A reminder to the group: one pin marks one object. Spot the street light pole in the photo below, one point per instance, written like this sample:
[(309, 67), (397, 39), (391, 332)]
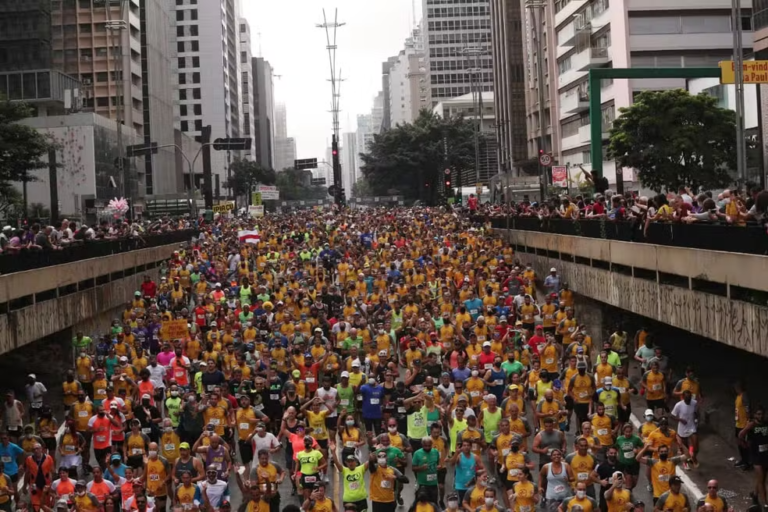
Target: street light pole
[(738, 62), (191, 165)]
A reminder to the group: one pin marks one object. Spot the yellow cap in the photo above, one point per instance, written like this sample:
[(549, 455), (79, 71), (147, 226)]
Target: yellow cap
[(514, 387)]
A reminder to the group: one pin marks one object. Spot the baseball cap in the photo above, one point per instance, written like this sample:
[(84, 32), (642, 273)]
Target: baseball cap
[(123, 358), (486, 343), (184, 446), (146, 396), (581, 364), (296, 373), (502, 318), (356, 363), (31, 376), (553, 269), (115, 456), (648, 412), (607, 380), (344, 374), (675, 480), (514, 387)]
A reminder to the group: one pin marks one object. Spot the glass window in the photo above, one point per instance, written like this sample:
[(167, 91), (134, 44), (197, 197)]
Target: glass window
[(198, 109), (706, 24), (654, 25), (179, 15)]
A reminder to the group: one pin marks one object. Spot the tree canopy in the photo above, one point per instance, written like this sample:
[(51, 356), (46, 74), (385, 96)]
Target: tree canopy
[(22, 148), (296, 185), (675, 139), (410, 159), (247, 173)]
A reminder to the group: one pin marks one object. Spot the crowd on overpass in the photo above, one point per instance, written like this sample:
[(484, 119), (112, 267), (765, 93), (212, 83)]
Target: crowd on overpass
[(733, 206), (65, 233), (388, 346)]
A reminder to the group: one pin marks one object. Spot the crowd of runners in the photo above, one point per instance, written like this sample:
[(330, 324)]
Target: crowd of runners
[(402, 347)]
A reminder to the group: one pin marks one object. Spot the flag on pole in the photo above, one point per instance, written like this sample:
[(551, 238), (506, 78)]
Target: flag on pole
[(248, 237)]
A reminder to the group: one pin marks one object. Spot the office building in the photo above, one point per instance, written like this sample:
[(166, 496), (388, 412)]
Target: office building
[(407, 82), (386, 68), (509, 83), (246, 87), (458, 47), (285, 147), (586, 34), (377, 113), (364, 136), (208, 69), (263, 110), (348, 153)]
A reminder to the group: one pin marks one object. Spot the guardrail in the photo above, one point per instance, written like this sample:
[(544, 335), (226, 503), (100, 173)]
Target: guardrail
[(749, 239), (33, 259)]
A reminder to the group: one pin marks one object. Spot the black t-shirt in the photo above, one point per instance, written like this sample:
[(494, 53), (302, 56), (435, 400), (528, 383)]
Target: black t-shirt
[(605, 471)]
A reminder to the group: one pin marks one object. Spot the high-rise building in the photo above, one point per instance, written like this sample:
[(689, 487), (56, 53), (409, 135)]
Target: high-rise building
[(246, 87), (760, 19), (263, 110), (364, 135), (208, 68), (509, 82), (579, 35), (407, 82), (458, 46), (285, 147), (377, 113), (386, 68), (349, 173)]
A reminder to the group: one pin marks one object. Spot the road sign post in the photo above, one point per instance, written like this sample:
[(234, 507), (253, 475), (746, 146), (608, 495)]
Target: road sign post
[(545, 159), (232, 144), (305, 163)]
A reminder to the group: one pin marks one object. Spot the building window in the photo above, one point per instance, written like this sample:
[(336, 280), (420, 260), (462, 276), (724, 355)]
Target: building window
[(179, 2), (183, 110), (242, 28), (195, 62), (102, 102), (195, 46), (586, 157), (193, 30), (182, 78), (193, 14), (195, 78), (184, 126), (243, 57), (198, 125), (180, 47), (180, 31), (182, 94), (196, 94), (179, 15), (197, 109), (182, 62)]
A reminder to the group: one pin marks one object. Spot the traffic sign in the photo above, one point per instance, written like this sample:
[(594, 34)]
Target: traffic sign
[(232, 143), (545, 159), (447, 172), (305, 163), (318, 182), (332, 190), (141, 149), (269, 192)]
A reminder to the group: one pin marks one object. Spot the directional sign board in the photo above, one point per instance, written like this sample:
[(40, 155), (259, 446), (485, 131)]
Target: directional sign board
[(224, 207), (754, 72), (141, 149), (317, 182), (545, 159), (305, 163), (231, 143)]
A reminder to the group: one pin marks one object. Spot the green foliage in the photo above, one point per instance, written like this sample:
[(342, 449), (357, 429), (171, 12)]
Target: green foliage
[(296, 185), (11, 201), (21, 147), (410, 159), (361, 189), (675, 139), (245, 174)]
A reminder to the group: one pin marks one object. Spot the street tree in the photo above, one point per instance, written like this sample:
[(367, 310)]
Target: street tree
[(411, 158), (297, 185), (245, 174), (675, 139)]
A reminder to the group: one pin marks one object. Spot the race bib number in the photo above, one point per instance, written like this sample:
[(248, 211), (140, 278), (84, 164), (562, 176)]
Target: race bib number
[(146, 430), (474, 394), (310, 380), (101, 439), (82, 414), (350, 444), (310, 479), (582, 477), (386, 484), (245, 426), (215, 422), (505, 451), (354, 486), (549, 360), (629, 455), (656, 387), (6, 459), (762, 448), (344, 401), (663, 478), (374, 401), (583, 394), (401, 410), (559, 489), (274, 396), (170, 447), (259, 407), (498, 382), (154, 478), (524, 508), (432, 477), (137, 451), (602, 431), (488, 366), (514, 472), (318, 430)]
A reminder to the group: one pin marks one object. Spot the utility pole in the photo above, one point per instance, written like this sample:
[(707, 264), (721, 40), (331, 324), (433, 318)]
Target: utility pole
[(738, 62), (335, 79), (537, 15)]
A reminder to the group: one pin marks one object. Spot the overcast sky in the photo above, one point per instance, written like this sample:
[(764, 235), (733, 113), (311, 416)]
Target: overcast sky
[(374, 31)]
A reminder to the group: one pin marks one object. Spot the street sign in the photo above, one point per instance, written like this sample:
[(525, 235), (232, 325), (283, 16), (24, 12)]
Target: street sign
[(560, 176), (256, 198), (545, 159), (269, 192), (332, 190), (318, 182), (305, 163), (232, 143), (754, 72), (141, 149), (447, 172), (256, 211)]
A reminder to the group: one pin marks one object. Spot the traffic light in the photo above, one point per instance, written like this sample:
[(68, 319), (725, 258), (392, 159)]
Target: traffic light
[(448, 183)]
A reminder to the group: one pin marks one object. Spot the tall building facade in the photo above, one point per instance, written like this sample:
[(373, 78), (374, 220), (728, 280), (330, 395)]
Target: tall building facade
[(349, 173), (208, 68), (364, 135), (386, 69), (458, 47), (246, 87), (579, 35), (264, 112), (509, 82), (760, 19), (285, 147), (408, 88)]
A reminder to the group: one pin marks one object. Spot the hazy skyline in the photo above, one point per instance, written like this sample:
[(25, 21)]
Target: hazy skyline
[(285, 34)]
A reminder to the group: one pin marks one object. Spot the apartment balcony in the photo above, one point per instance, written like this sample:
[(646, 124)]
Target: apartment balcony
[(591, 58), (571, 142), (574, 103), (585, 135), (568, 11), (687, 42)]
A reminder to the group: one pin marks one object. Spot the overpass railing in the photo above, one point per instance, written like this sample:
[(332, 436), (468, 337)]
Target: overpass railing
[(749, 239), (29, 259)]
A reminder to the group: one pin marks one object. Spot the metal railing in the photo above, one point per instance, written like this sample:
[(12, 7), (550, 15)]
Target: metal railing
[(30, 259), (749, 239)]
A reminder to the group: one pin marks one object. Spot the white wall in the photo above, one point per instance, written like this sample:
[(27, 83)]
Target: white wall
[(698, 85)]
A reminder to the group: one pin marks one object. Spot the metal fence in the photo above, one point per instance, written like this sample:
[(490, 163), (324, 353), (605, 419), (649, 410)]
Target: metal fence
[(750, 239), (32, 259)]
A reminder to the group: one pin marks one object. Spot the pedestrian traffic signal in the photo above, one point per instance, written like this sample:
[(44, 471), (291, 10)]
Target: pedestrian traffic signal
[(447, 183)]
